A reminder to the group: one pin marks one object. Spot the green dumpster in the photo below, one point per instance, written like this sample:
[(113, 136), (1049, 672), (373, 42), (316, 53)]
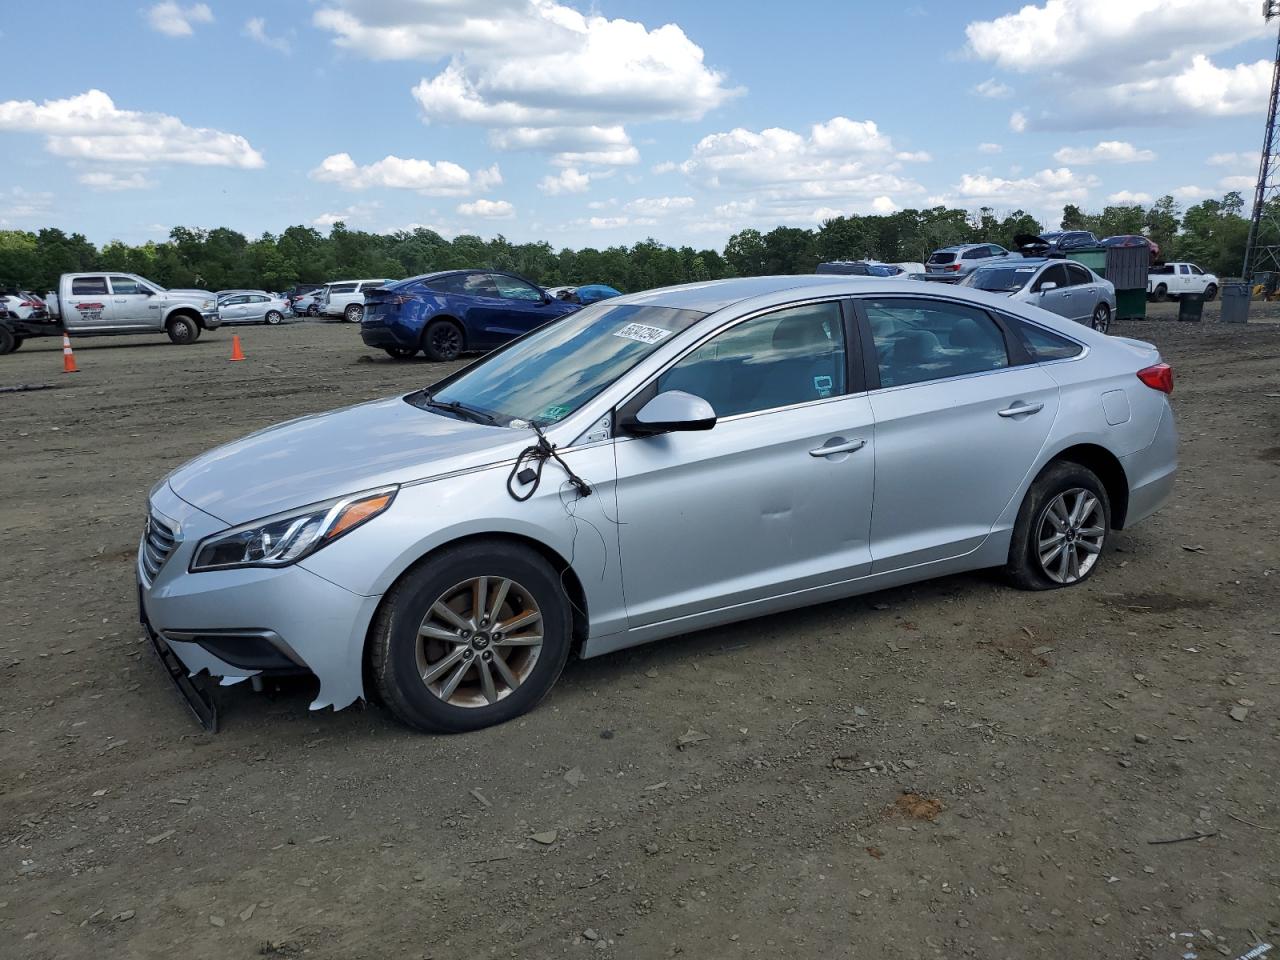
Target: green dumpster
[(1235, 302), (1191, 307), (1095, 260), (1131, 304)]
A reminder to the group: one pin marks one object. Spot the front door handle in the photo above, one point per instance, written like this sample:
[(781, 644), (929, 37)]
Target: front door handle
[(1021, 410), (846, 447)]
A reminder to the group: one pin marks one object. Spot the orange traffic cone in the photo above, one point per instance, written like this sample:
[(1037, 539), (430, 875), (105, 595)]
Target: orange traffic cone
[(236, 352), (68, 358)]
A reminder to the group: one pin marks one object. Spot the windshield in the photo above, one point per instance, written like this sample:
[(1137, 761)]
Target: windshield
[(1000, 279), (555, 370)]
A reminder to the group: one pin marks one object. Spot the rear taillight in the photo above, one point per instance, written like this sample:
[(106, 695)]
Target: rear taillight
[(955, 266), (1158, 377), (400, 298)]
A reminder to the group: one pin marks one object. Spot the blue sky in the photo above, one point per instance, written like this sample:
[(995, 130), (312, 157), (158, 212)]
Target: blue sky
[(607, 123)]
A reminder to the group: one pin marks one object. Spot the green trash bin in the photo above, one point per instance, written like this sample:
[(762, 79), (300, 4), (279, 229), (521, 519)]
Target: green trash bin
[(1235, 302), (1191, 307)]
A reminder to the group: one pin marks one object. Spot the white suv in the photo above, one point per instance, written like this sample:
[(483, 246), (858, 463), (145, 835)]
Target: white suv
[(345, 298)]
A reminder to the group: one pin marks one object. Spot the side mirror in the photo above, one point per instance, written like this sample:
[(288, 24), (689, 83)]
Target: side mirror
[(670, 412), (1047, 286)]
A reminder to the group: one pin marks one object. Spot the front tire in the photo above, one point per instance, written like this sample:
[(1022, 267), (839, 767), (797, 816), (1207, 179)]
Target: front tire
[(442, 341), (354, 313), (1211, 292), (1061, 529), (182, 331), (1101, 318), (474, 636), (9, 341), (313, 311), (273, 317)]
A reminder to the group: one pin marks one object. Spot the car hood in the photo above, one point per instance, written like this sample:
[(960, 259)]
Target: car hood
[(328, 455)]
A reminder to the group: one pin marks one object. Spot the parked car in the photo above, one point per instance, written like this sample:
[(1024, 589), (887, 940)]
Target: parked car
[(307, 304), (1177, 279), (870, 268), (24, 305), (1064, 287), (448, 313), (1065, 240), (103, 304), (723, 450), (253, 307), (345, 298), (955, 262), (585, 294)]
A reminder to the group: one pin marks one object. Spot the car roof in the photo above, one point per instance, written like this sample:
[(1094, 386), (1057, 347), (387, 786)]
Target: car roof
[(713, 295)]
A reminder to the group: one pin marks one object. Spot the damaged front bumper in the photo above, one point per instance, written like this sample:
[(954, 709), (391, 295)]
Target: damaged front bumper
[(233, 625)]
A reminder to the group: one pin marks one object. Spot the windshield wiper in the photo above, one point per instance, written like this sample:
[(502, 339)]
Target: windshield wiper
[(461, 409)]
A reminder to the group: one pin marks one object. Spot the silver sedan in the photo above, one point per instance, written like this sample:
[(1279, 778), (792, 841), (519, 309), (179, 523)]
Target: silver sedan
[(256, 306), (649, 466), (1064, 287)]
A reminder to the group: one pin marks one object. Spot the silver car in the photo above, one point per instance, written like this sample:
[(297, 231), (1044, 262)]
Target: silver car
[(254, 306), (649, 466), (962, 259), (1064, 287)]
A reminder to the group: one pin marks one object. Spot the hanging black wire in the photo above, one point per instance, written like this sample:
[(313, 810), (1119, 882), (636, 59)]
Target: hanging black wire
[(528, 468)]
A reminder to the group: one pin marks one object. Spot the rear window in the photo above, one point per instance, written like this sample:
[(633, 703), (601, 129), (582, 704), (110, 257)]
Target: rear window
[(88, 286), (1044, 345), (942, 258)]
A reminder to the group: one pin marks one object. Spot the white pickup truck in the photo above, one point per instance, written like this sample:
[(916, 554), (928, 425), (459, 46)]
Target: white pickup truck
[(103, 304), (1175, 279)]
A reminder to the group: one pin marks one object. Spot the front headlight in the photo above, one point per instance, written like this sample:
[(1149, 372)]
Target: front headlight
[(288, 537)]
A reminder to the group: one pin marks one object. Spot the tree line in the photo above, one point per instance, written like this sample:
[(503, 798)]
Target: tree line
[(1212, 233)]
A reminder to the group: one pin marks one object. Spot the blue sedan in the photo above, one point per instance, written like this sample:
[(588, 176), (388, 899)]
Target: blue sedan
[(444, 314)]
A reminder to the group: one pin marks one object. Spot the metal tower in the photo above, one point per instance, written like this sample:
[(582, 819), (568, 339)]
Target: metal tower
[(1263, 250)]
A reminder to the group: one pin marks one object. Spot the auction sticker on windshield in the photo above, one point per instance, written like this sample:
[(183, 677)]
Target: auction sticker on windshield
[(642, 332)]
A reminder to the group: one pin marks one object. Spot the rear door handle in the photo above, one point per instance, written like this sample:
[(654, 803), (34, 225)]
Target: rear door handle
[(1021, 409), (847, 447)]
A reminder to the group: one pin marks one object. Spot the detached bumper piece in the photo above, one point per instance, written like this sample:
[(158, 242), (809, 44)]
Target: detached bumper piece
[(196, 691)]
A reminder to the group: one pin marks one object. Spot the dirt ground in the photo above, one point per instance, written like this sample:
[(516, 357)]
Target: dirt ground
[(953, 769)]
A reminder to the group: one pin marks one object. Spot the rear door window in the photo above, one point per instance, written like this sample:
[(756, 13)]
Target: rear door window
[(88, 286), (1077, 274), (921, 340), (342, 288)]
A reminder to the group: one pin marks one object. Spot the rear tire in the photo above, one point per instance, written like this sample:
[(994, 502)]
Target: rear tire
[(354, 313), (402, 652), (1101, 318), (183, 330), (1038, 559), (1161, 293), (442, 341), (273, 317), (1211, 291), (9, 342), (401, 353), (313, 311)]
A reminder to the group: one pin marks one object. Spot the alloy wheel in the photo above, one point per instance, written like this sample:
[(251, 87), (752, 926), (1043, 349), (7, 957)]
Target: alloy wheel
[(1102, 318), (479, 641), (1069, 535), (445, 341)]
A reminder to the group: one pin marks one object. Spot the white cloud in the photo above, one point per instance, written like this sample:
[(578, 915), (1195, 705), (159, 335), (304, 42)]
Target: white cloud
[(1148, 58), (1046, 188), (993, 89), (1107, 151), (106, 180), (568, 180), (18, 204), (656, 206), (607, 223), (1018, 121), (356, 213), (487, 209), (441, 178), (1243, 184), (1191, 193), (176, 20), (916, 156), (1104, 34), (989, 148), (1247, 159), (1126, 198), (255, 28), (883, 205), (666, 166), (90, 126)]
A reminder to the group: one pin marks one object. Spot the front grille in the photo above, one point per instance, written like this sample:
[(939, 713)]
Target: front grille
[(158, 541)]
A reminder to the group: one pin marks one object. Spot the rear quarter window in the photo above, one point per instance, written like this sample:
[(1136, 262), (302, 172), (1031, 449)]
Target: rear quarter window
[(1045, 345)]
